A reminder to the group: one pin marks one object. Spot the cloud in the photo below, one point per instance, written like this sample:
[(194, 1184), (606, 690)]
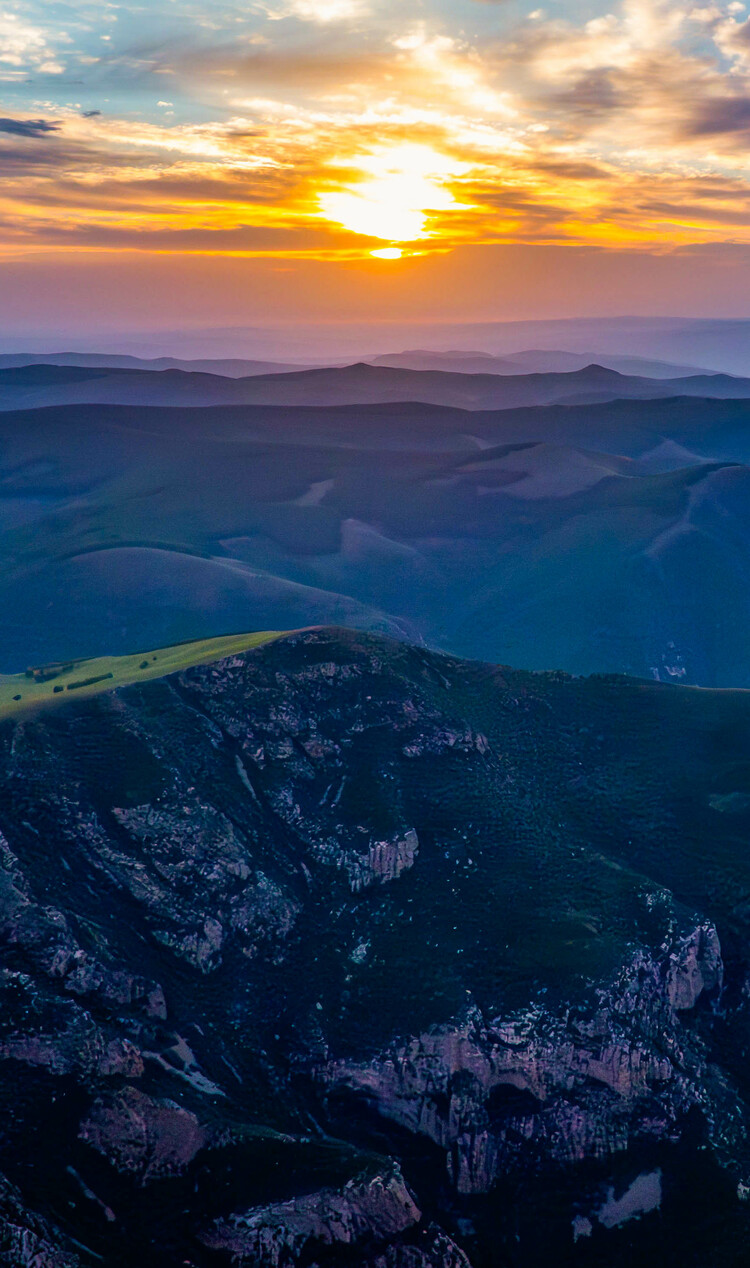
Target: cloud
[(628, 124), (720, 115), (595, 93), (323, 11), (569, 169), (25, 47), (28, 127)]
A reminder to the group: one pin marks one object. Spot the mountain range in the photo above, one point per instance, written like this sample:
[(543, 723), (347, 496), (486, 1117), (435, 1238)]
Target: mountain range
[(38, 386), (321, 945), (718, 344), (527, 362), (230, 367), (605, 537)]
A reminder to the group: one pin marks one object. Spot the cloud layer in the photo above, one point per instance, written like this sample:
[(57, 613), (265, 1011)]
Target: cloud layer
[(327, 128)]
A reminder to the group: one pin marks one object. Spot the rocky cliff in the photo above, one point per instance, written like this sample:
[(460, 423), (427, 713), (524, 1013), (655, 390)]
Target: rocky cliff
[(344, 952)]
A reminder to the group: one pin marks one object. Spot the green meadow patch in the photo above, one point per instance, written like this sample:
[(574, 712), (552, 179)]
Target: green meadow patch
[(43, 686)]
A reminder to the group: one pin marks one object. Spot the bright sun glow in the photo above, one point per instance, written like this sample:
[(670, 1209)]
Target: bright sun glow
[(400, 186), (388, 253)]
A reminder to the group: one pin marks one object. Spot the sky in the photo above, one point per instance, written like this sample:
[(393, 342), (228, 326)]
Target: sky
[(184, 160)]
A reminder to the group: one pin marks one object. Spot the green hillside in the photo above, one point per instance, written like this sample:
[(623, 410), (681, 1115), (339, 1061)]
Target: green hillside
[(47, 685), (598, 538)]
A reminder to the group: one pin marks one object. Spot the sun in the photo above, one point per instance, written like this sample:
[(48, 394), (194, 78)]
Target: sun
[(400, 187)]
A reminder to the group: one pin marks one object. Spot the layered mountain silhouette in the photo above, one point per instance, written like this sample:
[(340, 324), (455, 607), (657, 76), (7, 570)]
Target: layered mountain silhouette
[(36, 386), (231, 367), (717, 344), (530, 361)]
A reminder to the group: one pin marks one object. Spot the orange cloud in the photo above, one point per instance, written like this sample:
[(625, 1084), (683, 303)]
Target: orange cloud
[(332, 127)]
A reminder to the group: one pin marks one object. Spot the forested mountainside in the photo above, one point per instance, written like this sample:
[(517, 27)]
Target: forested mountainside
[(345, 952)]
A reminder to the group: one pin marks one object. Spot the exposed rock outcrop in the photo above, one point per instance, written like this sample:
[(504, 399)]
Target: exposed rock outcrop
[(26, 1240), (144, 1136), (364, 1211), (588, 1081)]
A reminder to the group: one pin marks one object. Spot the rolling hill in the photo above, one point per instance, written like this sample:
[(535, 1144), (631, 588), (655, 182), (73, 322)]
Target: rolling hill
[(590, 538)]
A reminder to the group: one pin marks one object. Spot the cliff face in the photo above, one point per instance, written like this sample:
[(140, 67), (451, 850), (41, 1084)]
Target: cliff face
[(587, 1083), (342, 952)]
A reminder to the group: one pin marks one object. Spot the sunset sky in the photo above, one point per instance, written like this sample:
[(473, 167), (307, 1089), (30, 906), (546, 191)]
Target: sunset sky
[(452, 157)]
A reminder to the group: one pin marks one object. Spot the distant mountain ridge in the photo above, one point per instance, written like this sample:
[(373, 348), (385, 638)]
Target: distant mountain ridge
[(717, 344), (231, 367), (38, 386), (531, 361)]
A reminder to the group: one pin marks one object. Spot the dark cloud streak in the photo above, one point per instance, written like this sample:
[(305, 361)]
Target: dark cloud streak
[(720, 115), (28, 127)]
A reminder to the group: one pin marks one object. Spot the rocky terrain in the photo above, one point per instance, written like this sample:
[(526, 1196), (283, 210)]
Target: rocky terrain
[(344, 952)]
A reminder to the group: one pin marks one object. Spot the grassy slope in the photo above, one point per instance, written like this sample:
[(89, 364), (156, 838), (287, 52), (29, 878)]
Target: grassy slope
[(123, 670), (499, 575)]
